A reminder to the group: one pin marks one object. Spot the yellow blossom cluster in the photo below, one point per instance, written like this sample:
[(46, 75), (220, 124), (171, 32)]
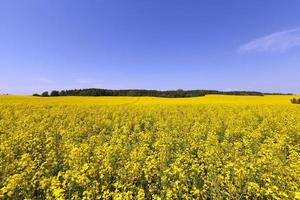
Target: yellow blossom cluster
[(143, 150)]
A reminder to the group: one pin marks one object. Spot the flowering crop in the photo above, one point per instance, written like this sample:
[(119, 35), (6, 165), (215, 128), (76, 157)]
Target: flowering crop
[(149, 148)]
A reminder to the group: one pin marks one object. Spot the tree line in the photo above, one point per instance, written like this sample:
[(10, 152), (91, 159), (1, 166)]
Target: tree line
[(141, 92)]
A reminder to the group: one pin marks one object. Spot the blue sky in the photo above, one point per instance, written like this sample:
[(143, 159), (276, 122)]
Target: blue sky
[(152, 44)]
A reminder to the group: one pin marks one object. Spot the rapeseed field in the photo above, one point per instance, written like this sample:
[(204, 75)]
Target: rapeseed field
[(213, 147)]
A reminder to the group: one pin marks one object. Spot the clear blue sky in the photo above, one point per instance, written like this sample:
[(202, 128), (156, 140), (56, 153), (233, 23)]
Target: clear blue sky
[(152, 44)]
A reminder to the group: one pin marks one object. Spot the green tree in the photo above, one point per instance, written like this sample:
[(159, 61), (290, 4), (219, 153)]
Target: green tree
[(62, 93), (45, 94), (54, 93), (293, 100)]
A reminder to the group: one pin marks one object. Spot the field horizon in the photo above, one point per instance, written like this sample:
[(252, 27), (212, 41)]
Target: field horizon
[(115, 100)]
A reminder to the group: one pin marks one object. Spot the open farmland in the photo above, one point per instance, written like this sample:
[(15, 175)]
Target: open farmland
[(212, 147)]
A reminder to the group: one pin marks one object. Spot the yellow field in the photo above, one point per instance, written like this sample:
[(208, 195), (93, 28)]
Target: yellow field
[(213, 147), (209, 99)]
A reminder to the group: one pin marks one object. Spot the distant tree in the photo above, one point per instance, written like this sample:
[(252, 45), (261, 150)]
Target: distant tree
[(62, 93), (36, 95), (295, 101), (154, 93), (45, 94), (54, 93)]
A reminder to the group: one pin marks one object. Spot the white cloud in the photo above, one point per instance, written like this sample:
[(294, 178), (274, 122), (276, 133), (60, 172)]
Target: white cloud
[(275, 42)]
